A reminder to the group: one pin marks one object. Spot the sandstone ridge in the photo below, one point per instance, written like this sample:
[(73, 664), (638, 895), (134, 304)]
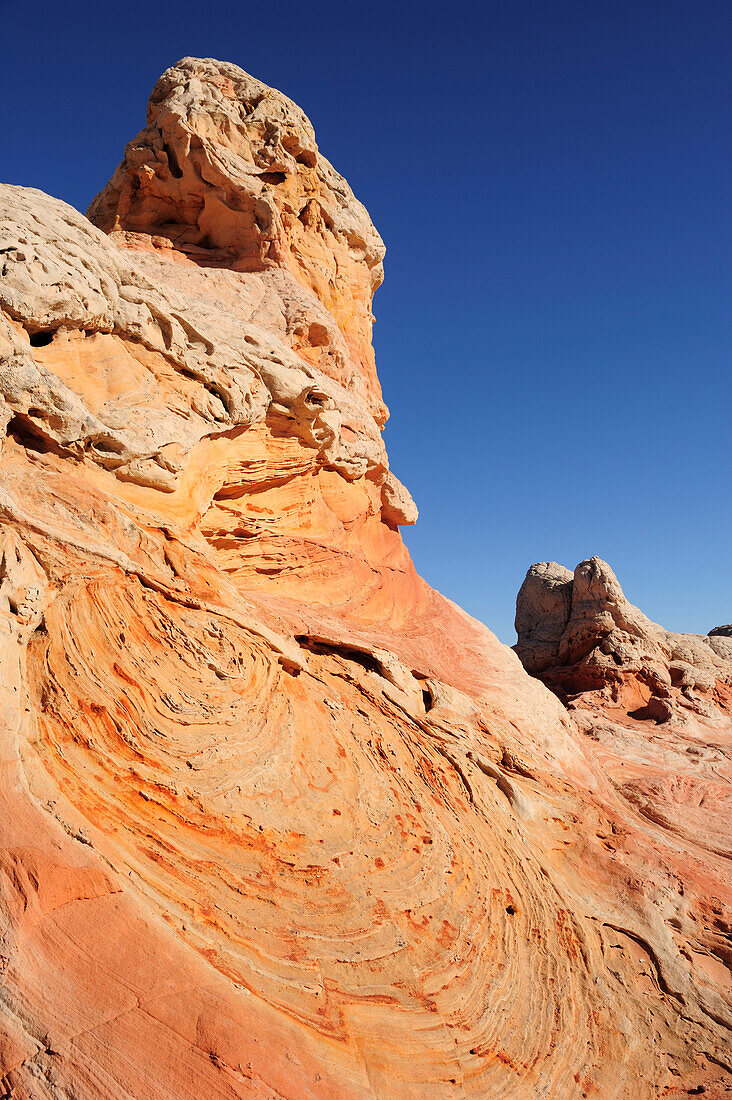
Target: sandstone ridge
[(279, 821)]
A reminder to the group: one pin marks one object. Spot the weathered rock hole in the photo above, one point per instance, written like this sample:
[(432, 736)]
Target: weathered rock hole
[(108, 446), (510, 911), (22, 430), (219, 395), (273, 177), (173, 165), (41, 339), (365, 660)]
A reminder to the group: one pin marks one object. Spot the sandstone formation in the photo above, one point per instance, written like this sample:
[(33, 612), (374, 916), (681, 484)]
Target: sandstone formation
[(227, 171), (279, 821), (580, 635)]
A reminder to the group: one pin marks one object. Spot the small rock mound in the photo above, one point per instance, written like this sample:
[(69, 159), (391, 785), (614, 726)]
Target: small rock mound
[(578, 633)]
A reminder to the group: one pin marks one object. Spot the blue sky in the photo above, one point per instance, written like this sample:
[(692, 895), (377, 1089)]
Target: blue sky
[(552, 181)]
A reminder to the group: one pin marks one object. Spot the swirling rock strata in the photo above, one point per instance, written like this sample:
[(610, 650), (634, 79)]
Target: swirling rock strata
[(278, 820), (656, 706)]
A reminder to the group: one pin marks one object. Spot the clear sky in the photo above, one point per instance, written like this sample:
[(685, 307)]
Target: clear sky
[(552, 180)]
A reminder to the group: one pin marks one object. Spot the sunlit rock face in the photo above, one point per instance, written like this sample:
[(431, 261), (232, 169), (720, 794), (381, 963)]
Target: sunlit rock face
[(582, 637), (278, 820), (228, 172)]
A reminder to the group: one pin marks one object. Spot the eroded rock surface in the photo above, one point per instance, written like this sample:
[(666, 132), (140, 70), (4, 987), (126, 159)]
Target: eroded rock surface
[(278, 820), (228, 171), (656, 707), (580, 635)]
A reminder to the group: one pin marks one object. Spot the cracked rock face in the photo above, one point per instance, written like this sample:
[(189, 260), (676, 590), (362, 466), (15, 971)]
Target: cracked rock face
[(279, 821)]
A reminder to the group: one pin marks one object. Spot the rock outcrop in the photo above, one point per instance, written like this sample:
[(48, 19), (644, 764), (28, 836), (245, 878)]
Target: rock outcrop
[(278, 820), (227, 171), (656, 707), (579, 634)]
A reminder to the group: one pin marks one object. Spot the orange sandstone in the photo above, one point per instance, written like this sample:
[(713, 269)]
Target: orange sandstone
[(279, 820)]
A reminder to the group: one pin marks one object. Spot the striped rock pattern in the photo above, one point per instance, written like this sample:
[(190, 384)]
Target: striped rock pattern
[(279, 821)]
